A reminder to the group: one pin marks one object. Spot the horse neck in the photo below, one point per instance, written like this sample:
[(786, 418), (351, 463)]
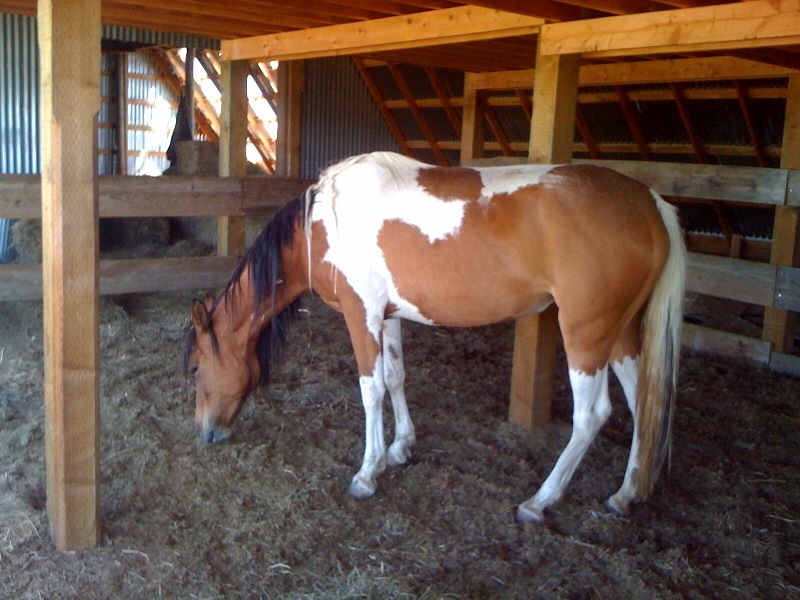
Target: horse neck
[(234, 316)]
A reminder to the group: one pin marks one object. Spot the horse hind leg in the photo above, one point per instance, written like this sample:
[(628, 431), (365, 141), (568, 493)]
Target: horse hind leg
[(591, 408), (395, 375), (626, 368)]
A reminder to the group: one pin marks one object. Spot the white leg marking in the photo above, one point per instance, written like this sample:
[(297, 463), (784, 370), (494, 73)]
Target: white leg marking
[(591, 408), (627, 372), (395, 376), (373, 389)]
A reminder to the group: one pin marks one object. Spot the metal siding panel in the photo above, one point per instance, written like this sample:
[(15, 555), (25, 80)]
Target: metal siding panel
[(19, 105), (339, 117)]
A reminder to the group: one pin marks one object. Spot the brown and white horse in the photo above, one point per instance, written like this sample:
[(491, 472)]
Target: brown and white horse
[(381, 237)]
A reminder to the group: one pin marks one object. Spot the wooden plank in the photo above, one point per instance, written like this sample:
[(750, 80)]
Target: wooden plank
[(787, 288), (178, 196), (711, 182), (24, 282), (69, 42), (731, 278), (754, 24), (725, 344), (676, 70), (429, 28)]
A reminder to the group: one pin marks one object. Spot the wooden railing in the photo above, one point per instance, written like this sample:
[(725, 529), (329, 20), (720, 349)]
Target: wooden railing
[(747, 281), (20, 198)]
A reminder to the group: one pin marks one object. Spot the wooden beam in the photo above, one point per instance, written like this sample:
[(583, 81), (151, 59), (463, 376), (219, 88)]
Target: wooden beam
[(555, 92), (714, 68), (24, 282), (430, 28), (173, 196), (754, 24), (232, 148), (69, 41)]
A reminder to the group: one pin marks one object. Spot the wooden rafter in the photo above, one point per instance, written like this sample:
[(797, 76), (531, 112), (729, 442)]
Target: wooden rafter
[(417, 114), (208, 124), (632, 119), (375, 92), (586, 132), (700, 154), (744, 104), (497, 129), (447, 105), (256, 131)]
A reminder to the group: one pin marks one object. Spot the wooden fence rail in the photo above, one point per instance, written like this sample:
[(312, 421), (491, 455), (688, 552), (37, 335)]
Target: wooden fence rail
[(734, 279), (20, 198)]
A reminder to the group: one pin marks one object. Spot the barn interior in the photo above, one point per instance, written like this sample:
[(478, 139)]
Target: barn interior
[(240, 105)]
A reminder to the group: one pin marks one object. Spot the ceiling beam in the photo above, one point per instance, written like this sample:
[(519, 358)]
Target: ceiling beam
[(651, 71), (430, 28), (754, 24)]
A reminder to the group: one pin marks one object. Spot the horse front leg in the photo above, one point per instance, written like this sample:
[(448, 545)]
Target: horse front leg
[(366, 336), (395, 377)]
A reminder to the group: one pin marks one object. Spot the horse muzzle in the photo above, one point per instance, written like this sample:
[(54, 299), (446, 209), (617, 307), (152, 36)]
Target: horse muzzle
[(213, 433)]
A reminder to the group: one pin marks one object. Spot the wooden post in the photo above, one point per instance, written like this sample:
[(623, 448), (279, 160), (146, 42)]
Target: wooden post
[(555, 93), (779, 325), (290, 97), (69, 38), (232, 149), (472, 121)]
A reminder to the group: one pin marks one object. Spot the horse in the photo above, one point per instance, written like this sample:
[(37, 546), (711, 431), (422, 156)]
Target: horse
[(381, 237)]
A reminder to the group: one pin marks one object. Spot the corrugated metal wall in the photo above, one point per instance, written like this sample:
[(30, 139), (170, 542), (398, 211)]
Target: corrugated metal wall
[(19, 105), (19, 102), (339, 118)]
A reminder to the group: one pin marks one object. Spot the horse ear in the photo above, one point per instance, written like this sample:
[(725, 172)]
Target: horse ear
[(200, 316), (209, 302)]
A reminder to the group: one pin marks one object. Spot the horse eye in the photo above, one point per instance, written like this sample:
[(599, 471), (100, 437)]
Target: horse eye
[(192, 370)]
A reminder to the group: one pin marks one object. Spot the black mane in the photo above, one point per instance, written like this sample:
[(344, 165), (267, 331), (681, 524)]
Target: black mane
[(263, 259)]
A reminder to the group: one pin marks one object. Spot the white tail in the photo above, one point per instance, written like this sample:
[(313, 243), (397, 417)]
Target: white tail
[(658, 367)]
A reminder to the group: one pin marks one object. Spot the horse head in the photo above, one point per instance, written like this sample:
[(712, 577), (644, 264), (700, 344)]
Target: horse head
[(225, 368)]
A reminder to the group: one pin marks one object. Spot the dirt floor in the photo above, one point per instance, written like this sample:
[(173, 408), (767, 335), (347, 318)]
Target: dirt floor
[(267, 516)]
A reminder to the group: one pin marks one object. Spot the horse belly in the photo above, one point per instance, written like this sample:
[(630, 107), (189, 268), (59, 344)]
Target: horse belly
[(457, 282)]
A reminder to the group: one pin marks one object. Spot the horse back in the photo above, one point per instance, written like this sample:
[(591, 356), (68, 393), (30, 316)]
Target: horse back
[(464, 247)]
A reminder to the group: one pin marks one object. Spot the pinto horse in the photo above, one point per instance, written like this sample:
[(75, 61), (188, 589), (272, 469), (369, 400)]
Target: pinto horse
[(382, 237)]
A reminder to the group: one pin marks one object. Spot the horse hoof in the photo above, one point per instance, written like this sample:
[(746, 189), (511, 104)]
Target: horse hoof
[(621, 508), (398, 455), (527, 514), (360, 490)]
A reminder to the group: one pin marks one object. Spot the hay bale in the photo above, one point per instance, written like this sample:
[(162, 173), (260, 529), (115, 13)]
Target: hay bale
[(26, 240), (18, 522), (133, 232)]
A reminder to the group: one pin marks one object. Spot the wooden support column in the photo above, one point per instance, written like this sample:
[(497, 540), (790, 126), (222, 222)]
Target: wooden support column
[(555, 94), (233, 149), (779, 325), (290, 105), (69, 41), (472, 126)]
